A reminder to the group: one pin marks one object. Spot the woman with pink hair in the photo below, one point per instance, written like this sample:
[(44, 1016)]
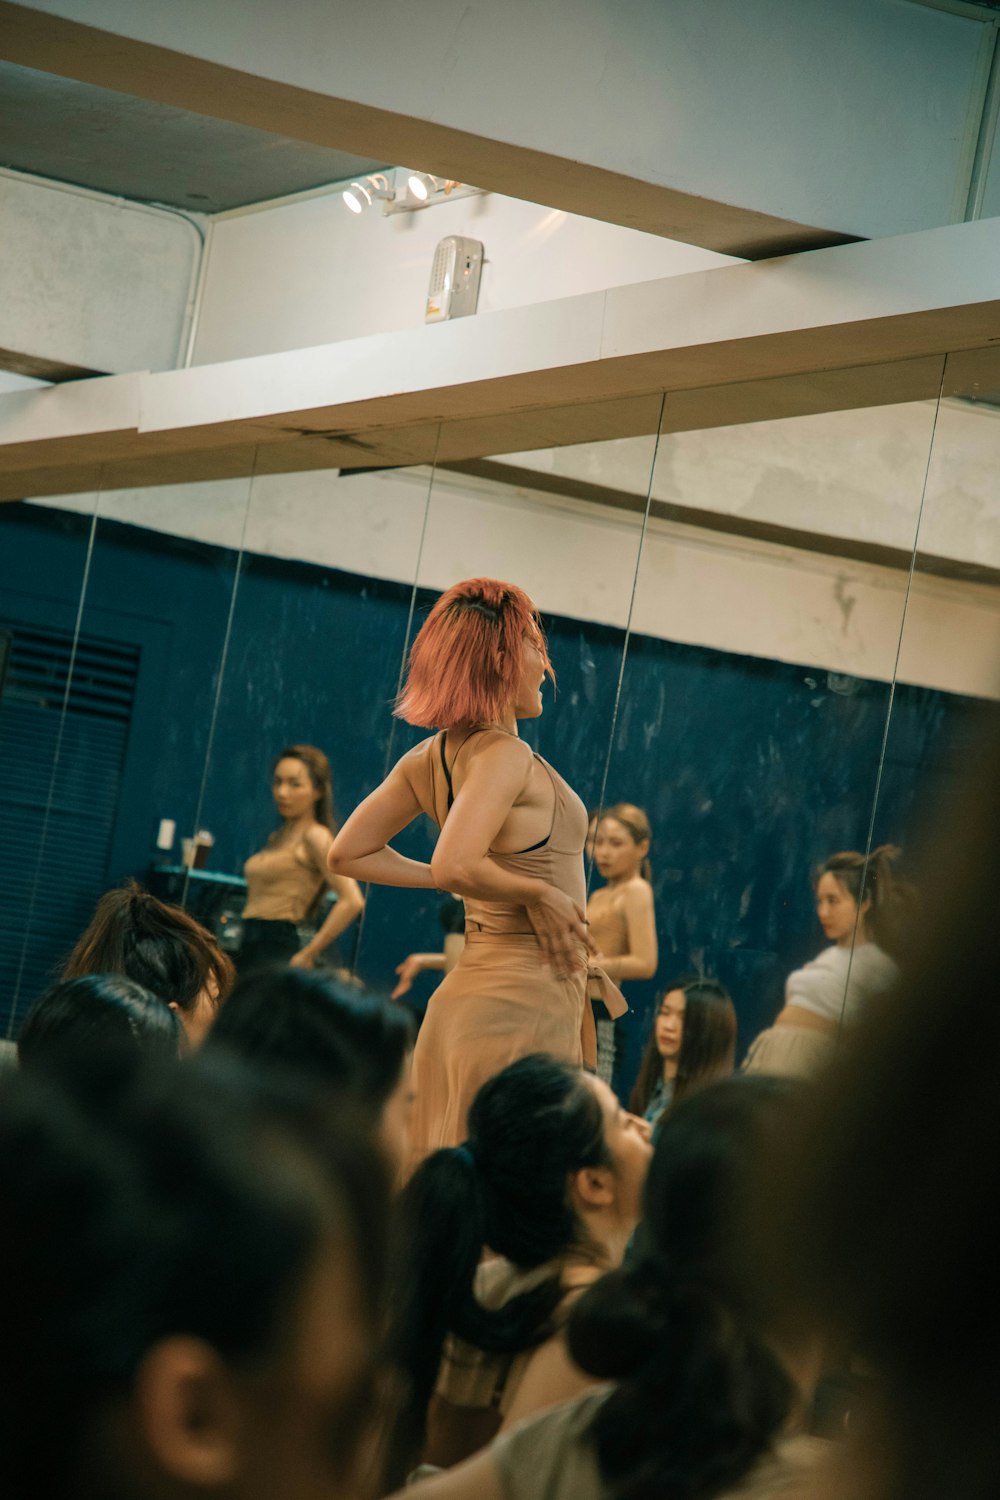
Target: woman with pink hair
[(511, 844)]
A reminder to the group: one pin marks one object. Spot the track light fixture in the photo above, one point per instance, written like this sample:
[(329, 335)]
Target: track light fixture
[(401, 191)]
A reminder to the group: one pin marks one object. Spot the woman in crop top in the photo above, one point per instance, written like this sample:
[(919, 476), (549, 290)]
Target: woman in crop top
[(511, 845), (622, 918), (286, 879), (857, 900)]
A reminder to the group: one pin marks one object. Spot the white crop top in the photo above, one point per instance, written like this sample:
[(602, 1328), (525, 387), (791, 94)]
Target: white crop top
[(836, 984)]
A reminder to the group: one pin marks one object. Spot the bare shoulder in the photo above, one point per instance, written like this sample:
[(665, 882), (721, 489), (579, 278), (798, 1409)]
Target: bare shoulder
[(499, 748), (318, 840), (638, 894), (415, 759)]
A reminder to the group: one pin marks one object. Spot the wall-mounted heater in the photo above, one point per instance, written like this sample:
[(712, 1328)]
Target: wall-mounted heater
[(454, 288)]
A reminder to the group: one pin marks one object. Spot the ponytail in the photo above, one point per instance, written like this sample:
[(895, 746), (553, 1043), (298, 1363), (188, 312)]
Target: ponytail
[(158, 946), (698, 1400), (444, 1233)]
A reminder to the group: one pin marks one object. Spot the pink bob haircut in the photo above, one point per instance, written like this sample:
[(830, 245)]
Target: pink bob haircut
[(465, 663)]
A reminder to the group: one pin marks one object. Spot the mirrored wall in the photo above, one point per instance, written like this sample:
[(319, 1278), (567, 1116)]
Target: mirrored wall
[(769, 607), (119, 645), (769, 616), (947, 679)]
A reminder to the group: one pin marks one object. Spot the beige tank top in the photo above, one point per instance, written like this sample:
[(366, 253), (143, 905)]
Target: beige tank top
[(557, 859), (282, 883)]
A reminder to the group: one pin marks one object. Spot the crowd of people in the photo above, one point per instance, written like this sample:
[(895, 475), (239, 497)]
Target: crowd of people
[(259, 1239)]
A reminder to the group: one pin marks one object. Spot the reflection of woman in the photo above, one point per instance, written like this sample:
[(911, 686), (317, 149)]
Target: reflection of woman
[(452, 918), (856, 901), (621, 915), (692, 1042), (511, 845), (286, 879)]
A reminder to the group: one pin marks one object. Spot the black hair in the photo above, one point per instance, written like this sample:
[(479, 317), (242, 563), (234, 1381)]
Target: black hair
[(530, 1127), (301, 1019), (187, 1200), (97, 1013), (161, 947), (681, 1329), (708, 1041)]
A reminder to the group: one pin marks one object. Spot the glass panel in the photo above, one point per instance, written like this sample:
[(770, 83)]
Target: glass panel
[(574, 550), (767, 619), (319, 628), (45, 555), (949, 652), (153, 636)]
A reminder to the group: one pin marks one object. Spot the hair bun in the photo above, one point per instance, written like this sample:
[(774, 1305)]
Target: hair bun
[(619, 1323)]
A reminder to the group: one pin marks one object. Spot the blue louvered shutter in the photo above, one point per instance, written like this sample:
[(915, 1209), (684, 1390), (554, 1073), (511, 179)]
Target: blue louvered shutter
[(59, 782)]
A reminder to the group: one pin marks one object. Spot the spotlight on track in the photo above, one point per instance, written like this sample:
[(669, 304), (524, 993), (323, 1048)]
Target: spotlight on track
[(422, 184), (361, 195)]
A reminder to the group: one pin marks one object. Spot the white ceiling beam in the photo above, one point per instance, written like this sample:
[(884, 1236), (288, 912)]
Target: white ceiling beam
[(753, 127), (849, 326)]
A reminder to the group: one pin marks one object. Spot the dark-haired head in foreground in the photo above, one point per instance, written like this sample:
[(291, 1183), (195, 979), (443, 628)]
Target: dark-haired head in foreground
[(343, 1038), (92, 1016), (162, 948), (688, 1329), (198, 1267)]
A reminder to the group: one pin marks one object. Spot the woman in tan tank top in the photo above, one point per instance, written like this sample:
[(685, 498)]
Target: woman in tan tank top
[(511, 844), (286, 878), (622, 916)]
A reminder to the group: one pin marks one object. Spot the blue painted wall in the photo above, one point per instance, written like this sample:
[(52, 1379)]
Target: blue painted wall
[(751, 771)]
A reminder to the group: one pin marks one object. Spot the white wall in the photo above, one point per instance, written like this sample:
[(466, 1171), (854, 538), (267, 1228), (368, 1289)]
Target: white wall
[(853, 474), (579, 560), (90, 280), (307, 271)]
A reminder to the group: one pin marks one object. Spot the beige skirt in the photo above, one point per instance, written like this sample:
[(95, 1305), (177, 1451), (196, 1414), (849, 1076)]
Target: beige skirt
[(790, 1052), (500, 1002)]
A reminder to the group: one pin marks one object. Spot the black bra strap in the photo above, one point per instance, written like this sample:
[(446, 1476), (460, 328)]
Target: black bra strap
[(540, 845), (447, 773), (444, 761)]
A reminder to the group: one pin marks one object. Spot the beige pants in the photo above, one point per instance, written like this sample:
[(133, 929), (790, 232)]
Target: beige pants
[(790, 1052)]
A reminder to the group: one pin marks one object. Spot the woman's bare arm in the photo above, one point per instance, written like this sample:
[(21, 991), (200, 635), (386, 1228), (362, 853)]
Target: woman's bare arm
[(640, 920), (349, 905), (361, 848), (478, 1479), (495, 777)]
